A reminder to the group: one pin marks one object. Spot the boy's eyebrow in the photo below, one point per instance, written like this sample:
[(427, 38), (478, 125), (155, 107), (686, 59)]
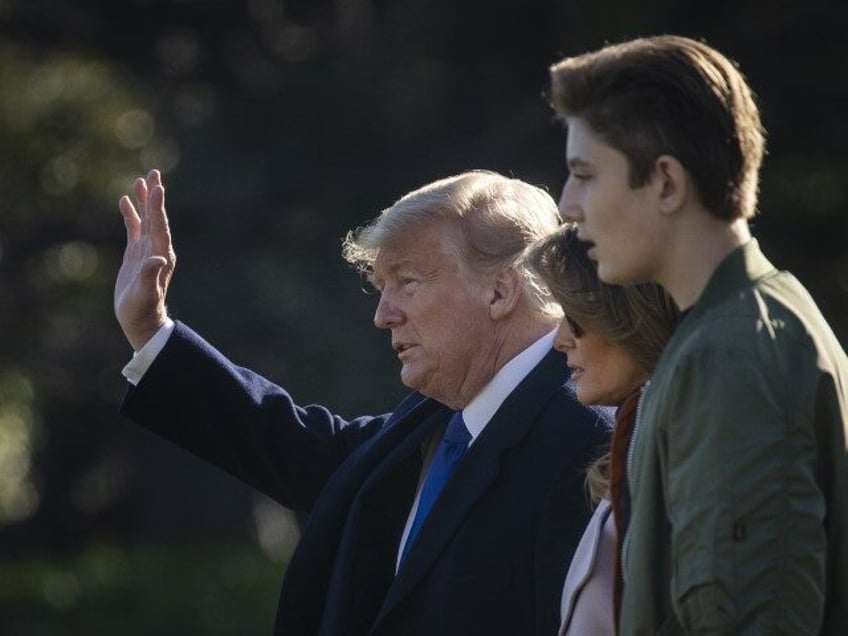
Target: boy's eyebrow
[(577, 162)]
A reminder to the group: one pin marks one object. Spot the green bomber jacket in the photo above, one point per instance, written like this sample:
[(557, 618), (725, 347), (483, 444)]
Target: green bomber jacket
[(738, 469)]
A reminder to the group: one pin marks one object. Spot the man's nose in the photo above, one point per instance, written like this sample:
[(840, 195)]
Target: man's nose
[(388, 314)]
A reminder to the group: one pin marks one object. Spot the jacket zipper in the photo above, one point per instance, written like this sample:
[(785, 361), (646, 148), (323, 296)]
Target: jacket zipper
[(625, 544)]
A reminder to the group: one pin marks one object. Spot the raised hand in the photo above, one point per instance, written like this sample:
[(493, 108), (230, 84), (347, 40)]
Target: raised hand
[(149, 262)]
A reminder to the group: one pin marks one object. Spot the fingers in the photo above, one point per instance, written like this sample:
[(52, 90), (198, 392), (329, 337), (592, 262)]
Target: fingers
[(149, 260), (131, 220), (140, 192), (153, 183), (147, 216), (158, 227), (149, 183), (154, 178), (156, 200)]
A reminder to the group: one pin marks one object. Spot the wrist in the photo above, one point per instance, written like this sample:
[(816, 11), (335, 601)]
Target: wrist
[(140, 335)]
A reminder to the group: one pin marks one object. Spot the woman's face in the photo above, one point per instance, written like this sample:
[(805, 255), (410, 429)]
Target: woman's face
[(603, 372)]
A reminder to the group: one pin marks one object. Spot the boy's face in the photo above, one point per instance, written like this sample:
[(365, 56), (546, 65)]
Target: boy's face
[(621, 222)]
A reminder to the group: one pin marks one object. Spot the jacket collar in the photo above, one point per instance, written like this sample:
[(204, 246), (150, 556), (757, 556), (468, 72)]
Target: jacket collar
[(742, 267), (738, 270), (478, 470)]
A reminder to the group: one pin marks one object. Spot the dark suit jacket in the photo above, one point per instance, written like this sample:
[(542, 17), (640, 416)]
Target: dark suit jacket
[(492, 555)]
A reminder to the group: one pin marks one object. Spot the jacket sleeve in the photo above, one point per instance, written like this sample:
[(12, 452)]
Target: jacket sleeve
[(746, 513), (241, 422)]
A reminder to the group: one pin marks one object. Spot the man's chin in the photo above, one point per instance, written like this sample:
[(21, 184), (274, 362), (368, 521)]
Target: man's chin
[(416, 381), (409, 379)]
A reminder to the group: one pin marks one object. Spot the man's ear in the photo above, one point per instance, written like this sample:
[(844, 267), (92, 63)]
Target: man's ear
[(671, 182), (505, 293)]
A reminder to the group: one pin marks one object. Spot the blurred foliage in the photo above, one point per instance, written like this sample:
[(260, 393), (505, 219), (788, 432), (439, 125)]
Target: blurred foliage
[(281, 125), (18, 496), (72, 134), (216, 589)]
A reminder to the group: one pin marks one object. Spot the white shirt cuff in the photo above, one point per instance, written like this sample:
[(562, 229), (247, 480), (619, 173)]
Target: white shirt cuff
[(144, 357)]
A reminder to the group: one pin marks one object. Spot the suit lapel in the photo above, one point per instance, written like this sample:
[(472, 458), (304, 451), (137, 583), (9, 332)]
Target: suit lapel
[(364, 569), (310, 591), (475, 474)]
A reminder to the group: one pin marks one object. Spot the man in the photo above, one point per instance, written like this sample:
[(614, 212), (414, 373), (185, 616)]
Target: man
[(738, 469), (385, 550)]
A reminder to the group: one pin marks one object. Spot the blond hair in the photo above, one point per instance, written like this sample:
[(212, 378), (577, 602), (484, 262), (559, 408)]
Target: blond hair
[(497, 218)]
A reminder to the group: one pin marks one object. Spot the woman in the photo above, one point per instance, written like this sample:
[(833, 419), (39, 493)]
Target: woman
[(613, 337)]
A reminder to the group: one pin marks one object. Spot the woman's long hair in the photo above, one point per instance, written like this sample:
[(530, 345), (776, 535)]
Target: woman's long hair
[(639, 318)]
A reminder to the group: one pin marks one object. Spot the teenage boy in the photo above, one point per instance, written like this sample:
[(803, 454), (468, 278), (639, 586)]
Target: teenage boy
[(738, 470)]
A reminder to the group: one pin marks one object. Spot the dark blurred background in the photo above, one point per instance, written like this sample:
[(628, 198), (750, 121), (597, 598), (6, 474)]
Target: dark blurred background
[(279, 125)]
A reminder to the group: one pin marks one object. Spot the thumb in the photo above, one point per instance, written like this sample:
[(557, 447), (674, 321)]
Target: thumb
[(151, 268)]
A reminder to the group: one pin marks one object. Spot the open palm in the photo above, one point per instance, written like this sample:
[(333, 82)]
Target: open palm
[(149, 261)]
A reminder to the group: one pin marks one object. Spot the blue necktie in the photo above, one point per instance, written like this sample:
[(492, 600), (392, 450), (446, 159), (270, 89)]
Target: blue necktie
[(451, 450)]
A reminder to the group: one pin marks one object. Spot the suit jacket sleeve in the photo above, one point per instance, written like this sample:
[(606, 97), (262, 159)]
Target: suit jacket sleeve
[(241, 422)]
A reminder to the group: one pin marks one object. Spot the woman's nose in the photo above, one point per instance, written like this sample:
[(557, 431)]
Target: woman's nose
[(564, 338)]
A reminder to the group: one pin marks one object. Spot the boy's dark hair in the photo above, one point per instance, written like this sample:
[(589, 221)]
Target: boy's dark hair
[(670, 95)]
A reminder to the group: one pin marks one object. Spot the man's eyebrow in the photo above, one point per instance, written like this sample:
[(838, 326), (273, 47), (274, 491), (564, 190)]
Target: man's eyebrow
[(577, 162), (386, 269), (400, 262)]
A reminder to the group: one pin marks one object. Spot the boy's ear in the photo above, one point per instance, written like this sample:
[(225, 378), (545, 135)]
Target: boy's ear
[(671, 183), (505, 293)]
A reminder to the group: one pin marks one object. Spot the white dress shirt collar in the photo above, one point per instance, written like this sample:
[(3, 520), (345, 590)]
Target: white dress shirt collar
[(486, 403), (481, 409)]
